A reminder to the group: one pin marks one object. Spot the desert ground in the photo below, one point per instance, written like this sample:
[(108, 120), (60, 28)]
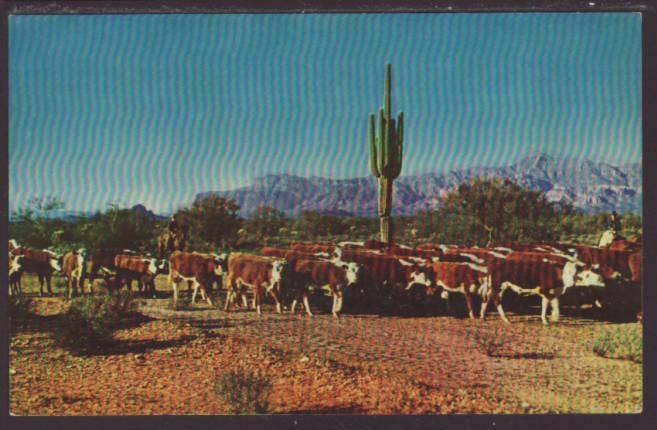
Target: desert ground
[(166, 361)]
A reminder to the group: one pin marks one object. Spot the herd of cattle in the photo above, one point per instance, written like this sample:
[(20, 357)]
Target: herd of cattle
[(370, 268)]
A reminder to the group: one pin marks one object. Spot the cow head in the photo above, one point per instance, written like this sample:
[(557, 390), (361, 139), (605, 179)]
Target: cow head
[(15, 263), (161, 266), (276, 270), (420, 277), (351, 272), (152, 265), (13, 244), (588, 278), (337, 253), (56, 261), (220, 263)]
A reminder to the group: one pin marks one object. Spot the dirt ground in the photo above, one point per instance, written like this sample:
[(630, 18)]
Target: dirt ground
[(171, 362)]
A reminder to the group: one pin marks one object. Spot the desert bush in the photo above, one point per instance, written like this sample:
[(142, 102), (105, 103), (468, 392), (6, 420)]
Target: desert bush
[(625, 343), (244, 391), (19, 307), (491, 342), (91, 320)]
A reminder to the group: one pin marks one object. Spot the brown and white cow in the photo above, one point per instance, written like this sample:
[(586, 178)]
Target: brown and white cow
[(74, 268), (15, 273), (141, 269), (612, 264), (12, 245), (385, 270), (332, 277), (200, 269), (42, 263), (260, 274), (466, 278), (531, 276)]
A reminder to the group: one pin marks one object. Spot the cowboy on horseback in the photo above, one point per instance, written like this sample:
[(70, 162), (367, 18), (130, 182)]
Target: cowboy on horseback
[(173, 238)]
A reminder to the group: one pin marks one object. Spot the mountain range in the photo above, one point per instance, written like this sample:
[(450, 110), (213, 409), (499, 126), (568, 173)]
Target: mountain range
[(589, 186)]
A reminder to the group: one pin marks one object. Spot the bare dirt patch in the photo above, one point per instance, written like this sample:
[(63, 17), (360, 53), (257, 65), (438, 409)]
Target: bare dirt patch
[(171, 362)]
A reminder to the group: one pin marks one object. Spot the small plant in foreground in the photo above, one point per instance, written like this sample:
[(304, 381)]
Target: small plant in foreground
[(625, 343), (19, 306), (491, 342), (244, 391), (91, 320)]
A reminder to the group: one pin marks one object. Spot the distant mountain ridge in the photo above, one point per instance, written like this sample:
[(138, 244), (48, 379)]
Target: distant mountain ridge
[(590, 186)]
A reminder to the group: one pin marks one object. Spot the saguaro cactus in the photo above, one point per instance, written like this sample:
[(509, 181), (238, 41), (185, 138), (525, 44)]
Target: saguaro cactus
[(386, 156)]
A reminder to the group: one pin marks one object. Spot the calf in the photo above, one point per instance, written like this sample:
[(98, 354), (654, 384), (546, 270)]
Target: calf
[(465, 278), (201, 269), (325, 275), (42, 263), (261, 274), (74, 265), (141, 269), (104, 258)]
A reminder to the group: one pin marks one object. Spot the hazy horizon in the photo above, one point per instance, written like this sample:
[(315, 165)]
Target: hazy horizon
[(154, 109)]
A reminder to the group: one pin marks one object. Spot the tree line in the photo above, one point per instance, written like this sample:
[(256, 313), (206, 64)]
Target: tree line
[(482, 212)]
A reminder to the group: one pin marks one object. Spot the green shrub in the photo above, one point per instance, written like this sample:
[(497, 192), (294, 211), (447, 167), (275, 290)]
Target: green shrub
[(91, 320), (19, 307), (245, 392), (625, 343)]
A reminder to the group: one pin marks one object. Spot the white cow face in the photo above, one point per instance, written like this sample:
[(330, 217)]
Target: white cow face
[(352, 273), (152, 266), (277, 269), (15, 264), (162, 265), (568, 275), (588, 278), (337, 253), (55, 264), (419, 278)]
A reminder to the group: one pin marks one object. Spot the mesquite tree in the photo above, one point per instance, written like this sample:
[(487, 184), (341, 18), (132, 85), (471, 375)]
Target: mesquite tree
[(386, 156)]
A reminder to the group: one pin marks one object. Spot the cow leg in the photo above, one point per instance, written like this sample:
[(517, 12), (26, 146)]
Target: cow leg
[(229, 298), (500, 310), (294, 306), (49, 284), (544, 306), (306, 304), (257, 299), (205, 292), (340, 301), (336, 305), (174, 287), (468, 301), (482, 312), (555, 309), (40, 284), (195, 287), (229, 292)]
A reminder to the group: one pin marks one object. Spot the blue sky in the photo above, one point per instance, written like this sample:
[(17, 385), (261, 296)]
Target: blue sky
[(154, 108)]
